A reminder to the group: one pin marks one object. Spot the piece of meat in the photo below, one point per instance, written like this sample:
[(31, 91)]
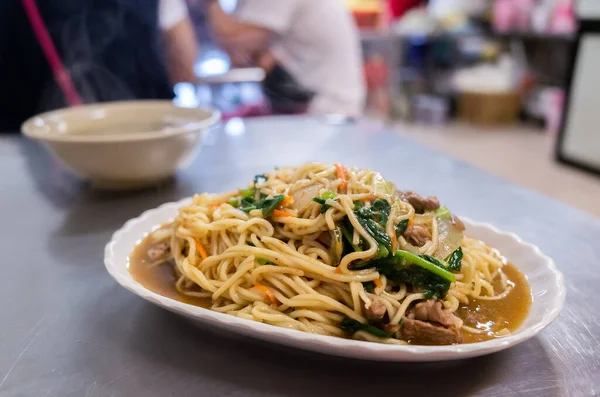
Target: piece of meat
[(375, 312), (457, 223), (419, 202), (421, 332), (158, 251), (433, 311), (417, 235)]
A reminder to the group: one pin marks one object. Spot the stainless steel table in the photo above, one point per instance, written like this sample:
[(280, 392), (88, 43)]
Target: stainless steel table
[(67, 329)]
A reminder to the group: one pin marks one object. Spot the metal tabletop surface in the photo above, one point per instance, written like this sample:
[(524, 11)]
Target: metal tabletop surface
[(67, 329)]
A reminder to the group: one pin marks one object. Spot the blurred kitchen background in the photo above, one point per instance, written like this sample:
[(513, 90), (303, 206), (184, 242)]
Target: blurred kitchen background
[(484, 80), (507, 85)]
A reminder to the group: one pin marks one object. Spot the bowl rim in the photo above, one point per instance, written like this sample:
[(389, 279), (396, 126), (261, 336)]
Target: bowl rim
[(29, 128), (329, 344)]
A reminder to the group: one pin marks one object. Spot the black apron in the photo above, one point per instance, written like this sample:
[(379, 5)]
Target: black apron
[(284, 93), (110, 47)]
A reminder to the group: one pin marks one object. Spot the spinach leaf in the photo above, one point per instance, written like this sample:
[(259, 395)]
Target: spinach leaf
[(369, 286), (438, 262), (347, 231), (435, 267), (381, 211), (328, 195), (431, 284), (248, 204), (351, 326), (382, 252), (266, 205), (260, 178), (401, 227), (404, 267), (324, 206), (366, 219), (455, 260)]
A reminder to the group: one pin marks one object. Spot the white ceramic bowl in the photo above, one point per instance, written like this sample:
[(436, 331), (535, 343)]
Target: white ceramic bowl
[(547, 287), (123, 144)]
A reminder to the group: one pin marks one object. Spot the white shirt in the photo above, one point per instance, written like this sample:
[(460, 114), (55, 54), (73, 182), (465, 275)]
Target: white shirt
[(319, 45), (171, 12)]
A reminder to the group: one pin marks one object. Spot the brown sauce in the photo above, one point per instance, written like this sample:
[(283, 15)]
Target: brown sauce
[(159, 278), (509, 312)]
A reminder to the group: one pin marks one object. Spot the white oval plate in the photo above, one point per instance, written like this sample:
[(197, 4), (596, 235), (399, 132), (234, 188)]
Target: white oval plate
[(547, 287)]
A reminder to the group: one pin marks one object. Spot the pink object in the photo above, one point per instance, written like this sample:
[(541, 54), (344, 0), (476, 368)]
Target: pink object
[(505, 12), (61, 74), (563, 20), (524, 10), (554, 104)]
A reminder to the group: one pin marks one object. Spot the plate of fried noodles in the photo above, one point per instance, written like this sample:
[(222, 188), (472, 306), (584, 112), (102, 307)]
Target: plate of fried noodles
[(339, 260)]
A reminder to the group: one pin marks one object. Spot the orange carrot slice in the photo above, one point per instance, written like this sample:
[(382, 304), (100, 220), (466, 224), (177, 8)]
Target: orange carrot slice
[(283, 214), (267, 292), (200, 249), (341, 174)]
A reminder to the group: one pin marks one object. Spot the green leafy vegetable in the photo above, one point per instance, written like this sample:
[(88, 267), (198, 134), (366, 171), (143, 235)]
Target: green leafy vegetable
[(369, 286), (381, 211), (328, 195), (260, 178), (351, 326), (347, 231), (382, 252), (366, 219), (247, 204), (248, 192), (438, 262), (323, 202), (455, 260), (401, 227), (431, 284), (432, 267), (443, 212), (405, 267), (234, 202), (262, 261), (267, 205)]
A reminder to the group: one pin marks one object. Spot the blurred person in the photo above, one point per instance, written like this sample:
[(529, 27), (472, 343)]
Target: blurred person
[(112, 49), (309, 49)]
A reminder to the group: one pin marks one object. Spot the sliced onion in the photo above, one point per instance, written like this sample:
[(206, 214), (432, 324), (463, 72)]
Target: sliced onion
[(303, 197), (450, 237), (381, 187)]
